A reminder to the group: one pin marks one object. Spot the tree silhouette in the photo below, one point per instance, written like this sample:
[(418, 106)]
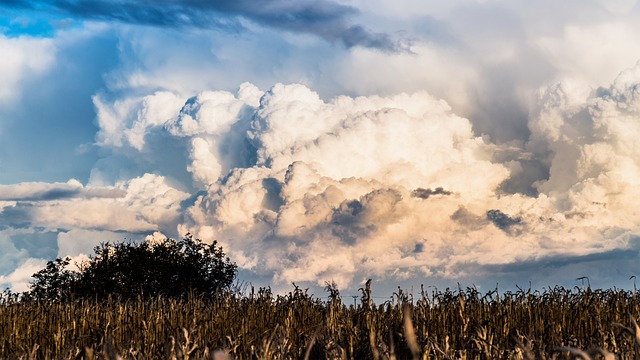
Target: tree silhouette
[(172, 268)]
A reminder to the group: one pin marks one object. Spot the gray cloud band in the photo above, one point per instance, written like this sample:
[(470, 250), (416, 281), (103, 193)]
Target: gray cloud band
[(61, 191), (326, 19)]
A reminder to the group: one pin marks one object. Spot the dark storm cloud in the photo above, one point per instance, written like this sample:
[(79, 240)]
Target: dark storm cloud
[(502, 220), (605, 269), (348, 213), (468, 219), (355, 219), (426, 193), (560, 261), (346, 222), (324, 18)]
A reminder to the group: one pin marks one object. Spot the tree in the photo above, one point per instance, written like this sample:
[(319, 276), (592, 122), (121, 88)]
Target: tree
[(53, 281), (172, 268)]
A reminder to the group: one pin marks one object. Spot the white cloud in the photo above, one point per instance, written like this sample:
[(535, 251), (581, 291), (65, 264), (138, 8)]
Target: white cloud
[(11, 255), (444, 71), (146, 203), (339, 175), (595, 52), (619, 7), (77, 243), (126, 122), (22, 57), (19, 279)]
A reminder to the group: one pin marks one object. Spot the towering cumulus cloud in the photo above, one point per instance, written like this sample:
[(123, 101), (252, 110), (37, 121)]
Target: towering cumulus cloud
[(588, 137), (308, 190), (316, 191), (312, 190)]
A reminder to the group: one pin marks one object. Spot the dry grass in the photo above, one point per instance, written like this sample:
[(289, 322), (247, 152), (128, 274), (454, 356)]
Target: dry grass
[(463, 324)]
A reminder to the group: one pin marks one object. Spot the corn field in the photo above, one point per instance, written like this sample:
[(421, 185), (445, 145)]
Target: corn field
[(462, 324)]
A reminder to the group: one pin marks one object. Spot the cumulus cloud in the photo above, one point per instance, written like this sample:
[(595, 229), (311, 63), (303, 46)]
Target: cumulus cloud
[(319, 176), (400, 187), (127, 122), (42, 221), (141, 204), (327, 19), (593, 157), (351, 176), (22, 57), (302, 184), (18, 280)]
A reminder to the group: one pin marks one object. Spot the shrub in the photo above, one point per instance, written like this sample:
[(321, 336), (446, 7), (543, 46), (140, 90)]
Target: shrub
[(172, 268)]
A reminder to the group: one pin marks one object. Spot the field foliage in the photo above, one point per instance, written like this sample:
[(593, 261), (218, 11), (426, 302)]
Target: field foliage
[(446, 324)]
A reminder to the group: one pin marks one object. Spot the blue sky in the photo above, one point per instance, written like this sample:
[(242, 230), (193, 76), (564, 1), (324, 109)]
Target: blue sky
[(409, 142)]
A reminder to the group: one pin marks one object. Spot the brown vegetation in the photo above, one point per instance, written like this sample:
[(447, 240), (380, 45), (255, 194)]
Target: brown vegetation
[(462, 324)]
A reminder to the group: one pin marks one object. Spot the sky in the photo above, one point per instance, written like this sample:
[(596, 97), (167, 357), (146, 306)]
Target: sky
[(475, 142)]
